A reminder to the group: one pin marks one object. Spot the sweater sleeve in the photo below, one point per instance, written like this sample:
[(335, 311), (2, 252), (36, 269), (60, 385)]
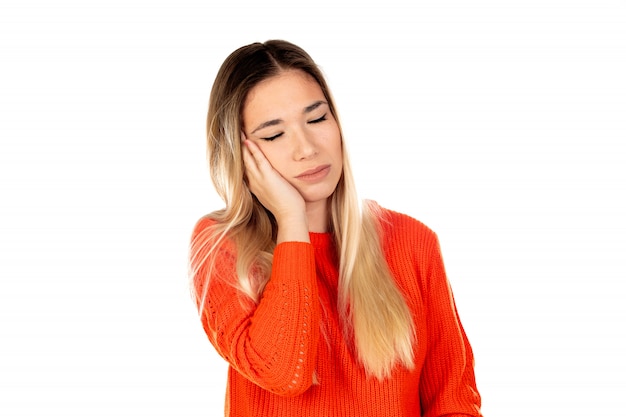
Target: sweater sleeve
[(447, 386), (273, 343)]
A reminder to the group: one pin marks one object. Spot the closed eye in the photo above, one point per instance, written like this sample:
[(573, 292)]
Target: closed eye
[(271, 138), (321, 119)]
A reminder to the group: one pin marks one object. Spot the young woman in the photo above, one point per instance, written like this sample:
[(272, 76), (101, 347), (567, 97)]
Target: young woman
[(321, 306)]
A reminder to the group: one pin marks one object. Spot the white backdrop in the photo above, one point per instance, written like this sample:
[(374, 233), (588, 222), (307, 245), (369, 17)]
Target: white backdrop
[(500, 124)]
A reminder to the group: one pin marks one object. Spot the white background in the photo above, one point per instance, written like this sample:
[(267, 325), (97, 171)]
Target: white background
[(500, 124)]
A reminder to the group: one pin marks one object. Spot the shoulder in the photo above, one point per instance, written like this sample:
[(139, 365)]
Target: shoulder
[(396, 225), (202, 231), (209, 234), (203, 224), (406, 239), (209, 225), (411, 249)]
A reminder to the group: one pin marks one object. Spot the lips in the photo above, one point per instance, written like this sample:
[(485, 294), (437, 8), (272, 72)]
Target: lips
[(314, 174)]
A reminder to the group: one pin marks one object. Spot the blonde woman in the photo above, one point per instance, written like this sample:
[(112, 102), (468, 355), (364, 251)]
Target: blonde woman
[(321, 306)]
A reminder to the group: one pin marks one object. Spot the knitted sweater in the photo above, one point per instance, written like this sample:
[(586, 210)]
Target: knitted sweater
[(276, 346)]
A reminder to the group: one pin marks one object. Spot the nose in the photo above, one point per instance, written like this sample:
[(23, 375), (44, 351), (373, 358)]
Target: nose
[(304, 146)]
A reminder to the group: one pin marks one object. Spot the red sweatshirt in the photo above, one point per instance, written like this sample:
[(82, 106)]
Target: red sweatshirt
[(274, 347)]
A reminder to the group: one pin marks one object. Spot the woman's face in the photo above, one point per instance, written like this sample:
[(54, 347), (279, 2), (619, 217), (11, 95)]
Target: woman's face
[(288, 117)]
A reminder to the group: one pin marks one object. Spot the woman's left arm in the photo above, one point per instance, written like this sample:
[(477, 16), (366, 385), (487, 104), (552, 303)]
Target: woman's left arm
[(448, 385)]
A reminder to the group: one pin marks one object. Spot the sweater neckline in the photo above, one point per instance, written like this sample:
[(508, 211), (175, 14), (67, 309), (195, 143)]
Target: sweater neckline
[(321, 240)]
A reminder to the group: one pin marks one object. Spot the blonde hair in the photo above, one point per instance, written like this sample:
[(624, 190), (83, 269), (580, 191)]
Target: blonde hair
[(376, 318)]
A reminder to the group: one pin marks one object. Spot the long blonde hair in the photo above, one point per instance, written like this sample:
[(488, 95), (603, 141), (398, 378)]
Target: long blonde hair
[(376, 319)]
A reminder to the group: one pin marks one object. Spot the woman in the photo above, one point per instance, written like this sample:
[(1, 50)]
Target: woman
[(321, 308)]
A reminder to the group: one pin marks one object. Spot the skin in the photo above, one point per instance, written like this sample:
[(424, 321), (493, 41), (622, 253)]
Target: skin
[(288, 130)]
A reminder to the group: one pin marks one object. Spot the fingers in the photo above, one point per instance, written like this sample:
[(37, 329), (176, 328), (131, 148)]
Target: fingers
[(272, 190), (251, 149), (258, 168), (248, 158)]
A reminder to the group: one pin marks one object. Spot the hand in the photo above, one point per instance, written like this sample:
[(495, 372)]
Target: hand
[(276, 194)]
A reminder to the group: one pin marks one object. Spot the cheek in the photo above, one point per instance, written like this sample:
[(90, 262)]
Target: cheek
[(330, 137), (336, 145), (273, 155)]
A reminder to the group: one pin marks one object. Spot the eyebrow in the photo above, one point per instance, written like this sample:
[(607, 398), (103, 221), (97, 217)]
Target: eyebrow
[(274, 122), (309, 109)]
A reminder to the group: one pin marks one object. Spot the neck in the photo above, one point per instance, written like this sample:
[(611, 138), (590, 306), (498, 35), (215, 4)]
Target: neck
[(317, 214)]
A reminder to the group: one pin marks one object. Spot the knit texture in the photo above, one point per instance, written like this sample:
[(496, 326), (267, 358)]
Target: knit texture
[(275, 347)]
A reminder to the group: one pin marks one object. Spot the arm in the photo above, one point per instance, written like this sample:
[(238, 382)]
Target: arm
[(272, 343), (276, 195), (448, 386)]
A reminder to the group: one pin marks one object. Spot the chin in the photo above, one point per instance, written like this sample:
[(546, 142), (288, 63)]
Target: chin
[(314, 197)]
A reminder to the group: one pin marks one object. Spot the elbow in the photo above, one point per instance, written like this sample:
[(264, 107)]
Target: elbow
[(294, 386)]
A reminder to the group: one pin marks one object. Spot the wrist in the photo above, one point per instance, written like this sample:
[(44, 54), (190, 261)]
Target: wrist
[(292, 228)]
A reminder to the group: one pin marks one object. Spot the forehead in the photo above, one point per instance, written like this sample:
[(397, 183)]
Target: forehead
[(292, 89)]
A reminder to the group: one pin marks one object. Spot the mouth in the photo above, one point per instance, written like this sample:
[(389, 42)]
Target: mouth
[(314, 174)]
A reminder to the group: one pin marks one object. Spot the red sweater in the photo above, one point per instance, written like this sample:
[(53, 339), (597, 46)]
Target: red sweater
[(275, 346)]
